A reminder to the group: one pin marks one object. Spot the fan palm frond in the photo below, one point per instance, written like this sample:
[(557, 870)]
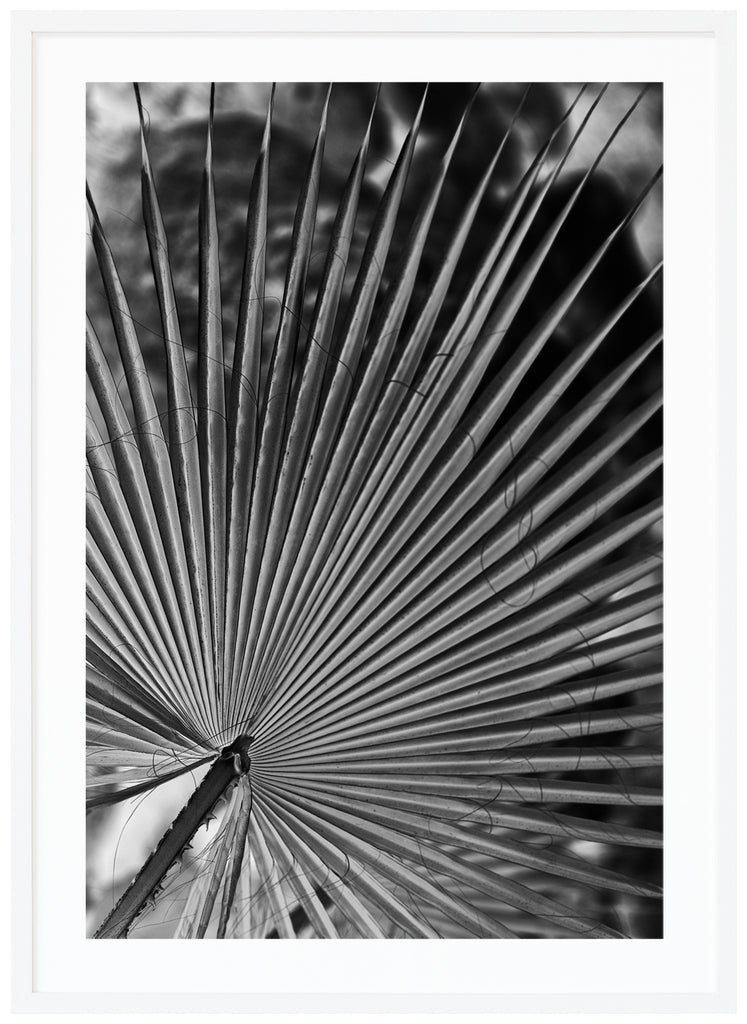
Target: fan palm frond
[(382, 571)]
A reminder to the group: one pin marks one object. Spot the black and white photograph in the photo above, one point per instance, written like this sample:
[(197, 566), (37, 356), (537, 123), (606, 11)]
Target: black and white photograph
[(374, 510)]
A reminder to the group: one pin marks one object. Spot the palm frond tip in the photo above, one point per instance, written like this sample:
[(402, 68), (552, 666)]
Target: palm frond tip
[(374, 534)]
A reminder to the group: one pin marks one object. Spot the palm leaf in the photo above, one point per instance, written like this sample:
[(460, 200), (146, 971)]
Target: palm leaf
[(385, 579)]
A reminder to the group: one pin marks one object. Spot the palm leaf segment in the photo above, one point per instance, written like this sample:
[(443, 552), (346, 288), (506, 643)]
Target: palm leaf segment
[(387, 587)]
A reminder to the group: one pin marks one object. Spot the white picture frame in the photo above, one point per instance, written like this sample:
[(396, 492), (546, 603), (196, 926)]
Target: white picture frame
[(55, 969)]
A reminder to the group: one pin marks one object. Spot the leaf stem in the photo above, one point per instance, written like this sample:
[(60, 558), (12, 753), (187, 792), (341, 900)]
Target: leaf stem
[(232, 763)]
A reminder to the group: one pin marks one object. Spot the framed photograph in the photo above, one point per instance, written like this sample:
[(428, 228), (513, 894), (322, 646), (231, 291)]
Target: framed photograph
[(346, 604)]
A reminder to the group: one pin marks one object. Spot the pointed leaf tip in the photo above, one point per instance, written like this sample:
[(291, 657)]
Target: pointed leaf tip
[(325, 111), (140, 110), (367, 137), (268, 121)]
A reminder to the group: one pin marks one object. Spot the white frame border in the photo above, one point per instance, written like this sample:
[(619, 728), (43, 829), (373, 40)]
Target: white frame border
[(25, 25)]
